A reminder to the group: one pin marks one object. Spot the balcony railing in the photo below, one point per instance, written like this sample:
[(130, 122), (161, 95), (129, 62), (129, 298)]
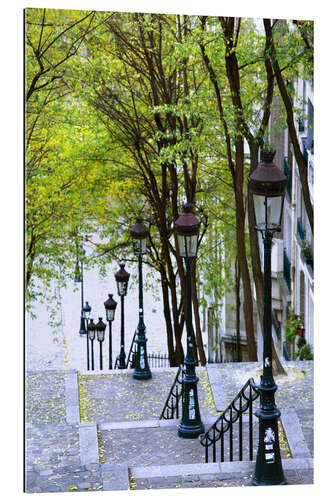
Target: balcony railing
[(287, 173), (286, 269)]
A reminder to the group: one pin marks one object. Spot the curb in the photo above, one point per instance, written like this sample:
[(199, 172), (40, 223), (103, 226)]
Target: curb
[(294, 434), (214, 376), (115, 476), (223, 470), (139, 424), (88, 443), (72, 404)]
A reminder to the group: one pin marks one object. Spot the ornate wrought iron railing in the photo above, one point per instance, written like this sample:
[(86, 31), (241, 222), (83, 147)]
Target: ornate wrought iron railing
[(222, 432), (171, 407), (132, 353)]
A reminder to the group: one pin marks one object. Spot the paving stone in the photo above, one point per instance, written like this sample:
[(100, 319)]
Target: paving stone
[(118, 397), (45, 397)]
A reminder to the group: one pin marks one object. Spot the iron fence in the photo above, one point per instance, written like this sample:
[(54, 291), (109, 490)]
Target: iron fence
[(156, 360), (224, 425)]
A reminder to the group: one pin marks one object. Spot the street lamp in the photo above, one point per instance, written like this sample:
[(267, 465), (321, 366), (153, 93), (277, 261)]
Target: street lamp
[(110, 309), (139, 235), (91, 336), (78, 278), (100, 329), (267, 184), (187, 230), (84, 317), (122, 278)]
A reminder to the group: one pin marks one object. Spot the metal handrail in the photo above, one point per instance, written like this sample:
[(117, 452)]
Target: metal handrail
[(132, 352), (171, 406), (233, 413)]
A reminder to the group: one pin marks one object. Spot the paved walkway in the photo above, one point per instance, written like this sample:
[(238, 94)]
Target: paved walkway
[(67, 451), (117, 397)]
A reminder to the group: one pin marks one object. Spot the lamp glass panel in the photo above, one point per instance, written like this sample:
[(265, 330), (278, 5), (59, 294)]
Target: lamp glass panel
[(274, 208), (191, 243), (86, 314), (188, 245), (91, 334), (140, 246), (100, 336), (110, 314), (181, 244), (122, 288), (259, 210)]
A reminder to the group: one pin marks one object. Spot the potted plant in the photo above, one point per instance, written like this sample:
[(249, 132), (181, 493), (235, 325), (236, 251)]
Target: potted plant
[(306, 253), (292, 328), (304, 350)]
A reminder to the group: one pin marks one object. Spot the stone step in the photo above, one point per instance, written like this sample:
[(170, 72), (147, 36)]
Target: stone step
[(297, 471)]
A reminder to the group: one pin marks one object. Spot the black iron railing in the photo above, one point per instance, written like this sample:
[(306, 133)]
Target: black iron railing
[(219, 439), (171, 407), (132, 353), (156, 360)]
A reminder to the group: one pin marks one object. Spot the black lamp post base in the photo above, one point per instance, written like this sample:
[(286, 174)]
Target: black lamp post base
[(122, 361), (255, 482), (268, 470), (141, 370), (142, 374), (190, 431)]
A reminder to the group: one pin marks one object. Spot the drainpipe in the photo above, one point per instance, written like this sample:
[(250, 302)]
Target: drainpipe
[(293, 238)]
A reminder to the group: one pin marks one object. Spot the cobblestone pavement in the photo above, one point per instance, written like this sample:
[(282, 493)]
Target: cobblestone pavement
[(45, 397), (305, 417), (52, 445), (294, 391), (113, 398), (64, 479), (163, 447), (194, 481)]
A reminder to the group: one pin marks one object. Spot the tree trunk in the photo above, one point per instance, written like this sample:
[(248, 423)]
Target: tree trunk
[(302, 168), (238, 304)]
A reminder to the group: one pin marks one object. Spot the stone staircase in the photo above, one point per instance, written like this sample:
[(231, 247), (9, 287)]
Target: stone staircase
[(102, 432)]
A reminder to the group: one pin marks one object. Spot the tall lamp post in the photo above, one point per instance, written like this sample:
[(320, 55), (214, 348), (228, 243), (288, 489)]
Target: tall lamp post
[(100, 329), (187, 230), (267, 184), (122, 278), (139, 235), (91, 336), (110, 308), (78, 278), (85, 316)]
